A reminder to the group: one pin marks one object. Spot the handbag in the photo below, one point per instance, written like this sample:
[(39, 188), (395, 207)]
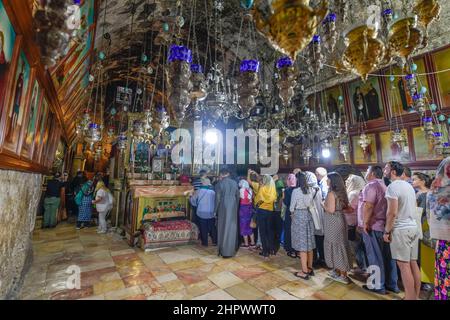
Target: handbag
[(283, 211), (315, 214), (79, 198)]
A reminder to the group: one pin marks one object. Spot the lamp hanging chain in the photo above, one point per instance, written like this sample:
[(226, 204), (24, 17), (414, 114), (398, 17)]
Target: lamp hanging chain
[(133, 11)]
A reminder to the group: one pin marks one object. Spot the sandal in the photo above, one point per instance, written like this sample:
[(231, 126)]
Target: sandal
[(311, 273), (292, 254), (305, 277)]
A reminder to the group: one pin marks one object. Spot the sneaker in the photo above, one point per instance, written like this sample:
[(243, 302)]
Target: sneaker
[(394, 290), (342, 279), (380, 291), (78, 228), (333, 274)]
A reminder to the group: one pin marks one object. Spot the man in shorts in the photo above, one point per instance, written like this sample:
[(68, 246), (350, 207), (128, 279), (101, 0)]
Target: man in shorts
[(401, 229)]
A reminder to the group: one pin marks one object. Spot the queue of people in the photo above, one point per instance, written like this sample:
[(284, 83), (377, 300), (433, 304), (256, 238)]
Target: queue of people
[(385, 222), (80, 197)]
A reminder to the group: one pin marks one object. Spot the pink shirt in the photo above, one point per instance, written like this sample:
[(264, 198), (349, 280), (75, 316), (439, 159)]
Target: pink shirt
[(374, 193)]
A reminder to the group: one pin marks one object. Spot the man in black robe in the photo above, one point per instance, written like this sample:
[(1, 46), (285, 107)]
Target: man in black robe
[(373, 104)]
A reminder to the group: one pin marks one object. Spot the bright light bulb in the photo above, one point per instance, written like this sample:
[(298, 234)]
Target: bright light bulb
[(326, 152), (211, 136)]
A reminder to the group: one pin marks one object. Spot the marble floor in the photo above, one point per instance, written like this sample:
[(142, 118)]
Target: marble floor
[(111, 270)]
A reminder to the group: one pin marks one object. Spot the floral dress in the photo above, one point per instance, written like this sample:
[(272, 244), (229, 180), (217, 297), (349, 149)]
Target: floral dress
[(442, 269), (438, 202)]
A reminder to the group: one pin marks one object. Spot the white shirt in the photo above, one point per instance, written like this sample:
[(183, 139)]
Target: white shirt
[(102, 205), (403, 192)]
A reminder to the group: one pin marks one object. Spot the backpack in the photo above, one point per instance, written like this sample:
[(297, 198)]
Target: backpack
[(79, 198)]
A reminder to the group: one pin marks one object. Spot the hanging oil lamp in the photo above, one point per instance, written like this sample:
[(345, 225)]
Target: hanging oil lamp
[(93, 134), (289, 25), (331, 35), (248, 86), (404, 37), (428, 127), (198, 91), (364, 141), (179, 80), (315, 57), (122, 142), (427, 11), (306, 155), (363, 53), (287, 79)]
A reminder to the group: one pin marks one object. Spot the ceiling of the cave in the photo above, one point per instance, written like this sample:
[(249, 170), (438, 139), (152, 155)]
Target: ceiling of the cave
[(128, 36)]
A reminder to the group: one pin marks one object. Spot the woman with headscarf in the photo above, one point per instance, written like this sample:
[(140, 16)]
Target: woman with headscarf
[(354, 185), (265, 197), (245, 213), (85, 205), (302, 228), (102, 205), (337, 247), (438, 204), (291, 183), (319, 253)]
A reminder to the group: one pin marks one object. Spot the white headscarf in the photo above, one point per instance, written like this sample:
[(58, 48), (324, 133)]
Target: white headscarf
[(311, 179), (243, 185), (354, 183)]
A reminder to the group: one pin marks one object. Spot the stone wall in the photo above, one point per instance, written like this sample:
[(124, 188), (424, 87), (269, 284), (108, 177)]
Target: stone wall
[(19, 198)]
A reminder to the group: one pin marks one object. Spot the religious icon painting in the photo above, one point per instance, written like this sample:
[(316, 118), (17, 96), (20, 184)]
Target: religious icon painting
[(49, 127), (31, 121), (333, 102), (42, 118), (442, 62), (17, 105), (393, 148), (7, 55), (424, 147), (400, 100), (365, 100), (364, 155)]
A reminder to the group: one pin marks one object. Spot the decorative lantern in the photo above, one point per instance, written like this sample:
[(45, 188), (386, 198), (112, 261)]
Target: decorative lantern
[(248, 86), (93, 134), (122, 142), (287, 79), (331, 36), (179, 80)]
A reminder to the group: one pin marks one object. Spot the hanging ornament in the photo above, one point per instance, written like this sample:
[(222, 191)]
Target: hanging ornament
[(364, 141), (179, 80), (122, 142), (306, 155), (289, 25), (287, 79), (363, 53), (246, 4), (315, 57), (198, 91), (427, 11), (93, 134), (331, 35), (248, 86)]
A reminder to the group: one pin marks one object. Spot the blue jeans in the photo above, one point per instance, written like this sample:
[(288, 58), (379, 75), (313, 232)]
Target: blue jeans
[(379, 254)]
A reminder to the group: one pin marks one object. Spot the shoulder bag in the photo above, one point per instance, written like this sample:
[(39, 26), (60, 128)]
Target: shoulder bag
[(315, 213)]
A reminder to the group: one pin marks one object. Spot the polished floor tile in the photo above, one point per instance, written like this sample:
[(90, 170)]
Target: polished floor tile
[(111, 270)]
